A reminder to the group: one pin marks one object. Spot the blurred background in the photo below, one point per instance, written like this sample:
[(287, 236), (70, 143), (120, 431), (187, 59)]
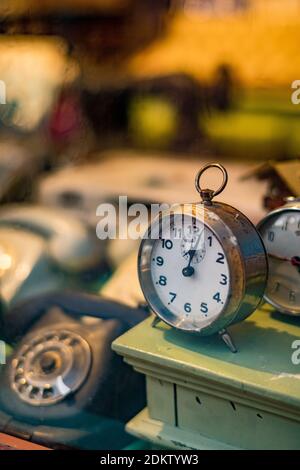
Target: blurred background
[(102, 98)]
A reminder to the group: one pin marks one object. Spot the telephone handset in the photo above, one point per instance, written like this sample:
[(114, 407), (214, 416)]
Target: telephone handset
[(70, 244), (63, 384)]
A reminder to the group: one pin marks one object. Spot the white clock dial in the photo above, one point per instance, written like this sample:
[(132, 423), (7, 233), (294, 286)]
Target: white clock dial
[(194, 291), (192, 244), (281, 235)]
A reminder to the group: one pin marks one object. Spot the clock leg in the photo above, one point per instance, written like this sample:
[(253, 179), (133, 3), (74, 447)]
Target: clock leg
[(225, 336), (155, 321)]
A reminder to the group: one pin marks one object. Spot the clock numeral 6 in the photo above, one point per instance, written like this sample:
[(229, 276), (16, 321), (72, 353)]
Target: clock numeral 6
[(187, 307), (162, 281), (204, 307), (168, 244)]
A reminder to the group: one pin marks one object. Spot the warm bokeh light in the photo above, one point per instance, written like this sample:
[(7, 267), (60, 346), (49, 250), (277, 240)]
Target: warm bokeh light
[(260, 44)]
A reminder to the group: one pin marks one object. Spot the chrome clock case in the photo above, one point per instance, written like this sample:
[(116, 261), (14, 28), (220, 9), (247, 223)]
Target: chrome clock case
[(292, 205), (243, 248)]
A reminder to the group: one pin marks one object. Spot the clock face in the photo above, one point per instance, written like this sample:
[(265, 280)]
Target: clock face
[(281, 235), (190, 274)]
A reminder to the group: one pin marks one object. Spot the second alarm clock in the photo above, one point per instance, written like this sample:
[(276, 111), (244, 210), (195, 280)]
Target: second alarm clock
[(280, 231), (203, 266)]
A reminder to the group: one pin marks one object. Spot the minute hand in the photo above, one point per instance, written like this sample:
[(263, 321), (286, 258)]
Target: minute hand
[(281, 258), (295, 260), (193, 251)]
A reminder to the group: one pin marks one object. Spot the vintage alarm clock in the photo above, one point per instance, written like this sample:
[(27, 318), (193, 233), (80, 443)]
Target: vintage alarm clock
[(280, 231), (203, 266)]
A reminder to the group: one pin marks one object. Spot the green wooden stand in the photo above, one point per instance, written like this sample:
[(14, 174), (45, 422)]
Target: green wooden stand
[(202, 396)]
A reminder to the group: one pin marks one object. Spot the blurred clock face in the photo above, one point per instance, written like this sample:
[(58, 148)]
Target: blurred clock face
[(281, 235)]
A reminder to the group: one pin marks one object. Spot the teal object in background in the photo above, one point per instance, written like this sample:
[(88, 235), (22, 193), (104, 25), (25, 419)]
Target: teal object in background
[(60, 252)]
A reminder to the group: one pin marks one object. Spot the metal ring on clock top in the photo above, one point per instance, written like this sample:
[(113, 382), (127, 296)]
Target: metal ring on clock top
[(208, 194)]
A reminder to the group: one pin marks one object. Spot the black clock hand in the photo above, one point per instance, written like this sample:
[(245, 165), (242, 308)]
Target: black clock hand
[(295, 260), (189, 270), (282, 258)]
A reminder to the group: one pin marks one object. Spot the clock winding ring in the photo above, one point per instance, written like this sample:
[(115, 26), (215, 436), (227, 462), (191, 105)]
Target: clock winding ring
[(208, 194)]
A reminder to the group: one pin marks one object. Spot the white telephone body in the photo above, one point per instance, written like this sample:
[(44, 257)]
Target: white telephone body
[(32, 240)]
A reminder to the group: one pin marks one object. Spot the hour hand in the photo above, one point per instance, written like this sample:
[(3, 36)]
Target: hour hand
[(296, 262), (189, 270)]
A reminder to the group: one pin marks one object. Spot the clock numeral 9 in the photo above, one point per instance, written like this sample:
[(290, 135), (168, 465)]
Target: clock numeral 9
[(159, 260), (203, 307), (168, 244), (177, 232), (187, 307)]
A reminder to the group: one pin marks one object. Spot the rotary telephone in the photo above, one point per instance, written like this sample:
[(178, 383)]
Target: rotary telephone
[(34, 242), (63, 385)]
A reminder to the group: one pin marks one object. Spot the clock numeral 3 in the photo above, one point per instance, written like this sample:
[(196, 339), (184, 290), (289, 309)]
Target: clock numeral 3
[(292, 297), (159, 260), (223, 281)]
